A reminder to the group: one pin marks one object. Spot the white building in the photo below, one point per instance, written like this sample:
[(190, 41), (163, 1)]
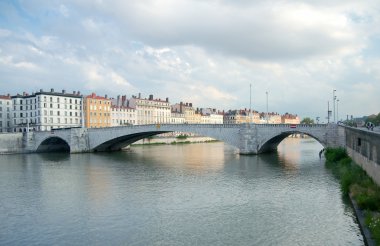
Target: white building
[(121, 116), (211, 116), (177, 118), (44, 111), (6, 113), (151, 111)]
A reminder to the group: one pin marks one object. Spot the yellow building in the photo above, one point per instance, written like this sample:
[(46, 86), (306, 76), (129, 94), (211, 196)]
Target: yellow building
[(97, 111), (290, 119)]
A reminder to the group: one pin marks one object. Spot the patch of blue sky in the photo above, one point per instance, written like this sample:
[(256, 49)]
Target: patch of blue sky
[(373, 48), (14, 17)]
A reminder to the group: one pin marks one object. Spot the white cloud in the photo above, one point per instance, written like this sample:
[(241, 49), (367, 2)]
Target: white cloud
[(205, 52)]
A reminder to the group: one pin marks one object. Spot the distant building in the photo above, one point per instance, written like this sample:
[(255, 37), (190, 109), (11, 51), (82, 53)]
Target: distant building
[(177, 118), (150, 110), (44, 111), (210, 116), (188, 111), (122, 115), (6, 122), (97, 110), (241, 117), (290, 119)]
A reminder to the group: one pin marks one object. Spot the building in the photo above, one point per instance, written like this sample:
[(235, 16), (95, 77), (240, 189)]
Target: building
[(241, 117), (44, 111), (290, 119), (151, 111), (97, 111), (210, 116), (270, 118), (6, 122), (191, 117), (177, 118), (122, 115)]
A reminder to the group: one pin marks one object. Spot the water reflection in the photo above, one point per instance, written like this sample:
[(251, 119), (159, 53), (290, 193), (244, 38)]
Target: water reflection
[(197, 194)]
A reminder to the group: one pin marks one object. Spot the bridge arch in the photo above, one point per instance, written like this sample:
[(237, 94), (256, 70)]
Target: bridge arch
[(270, 143), (120, 142), (53, 144)]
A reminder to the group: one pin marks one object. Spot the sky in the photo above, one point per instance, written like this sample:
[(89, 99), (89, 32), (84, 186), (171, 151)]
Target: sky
[(207, 52)]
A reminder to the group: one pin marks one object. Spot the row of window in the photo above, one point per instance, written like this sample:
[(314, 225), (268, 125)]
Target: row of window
[(45, 105), (31, 101), (45, 112)]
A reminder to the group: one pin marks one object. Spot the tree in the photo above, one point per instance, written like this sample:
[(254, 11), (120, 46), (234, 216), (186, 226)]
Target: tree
[(375, 119), (307, 121)]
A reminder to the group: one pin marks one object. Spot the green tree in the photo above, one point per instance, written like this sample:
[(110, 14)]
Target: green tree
[(375, 119), (307, 121)]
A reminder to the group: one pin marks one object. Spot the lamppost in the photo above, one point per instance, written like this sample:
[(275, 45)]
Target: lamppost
[(334, 98), (337, 110), (267, 106), (250, 102)]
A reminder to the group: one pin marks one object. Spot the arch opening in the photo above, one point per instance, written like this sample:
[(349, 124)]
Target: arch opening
[(119, 143), (271, 144), (53, 144)]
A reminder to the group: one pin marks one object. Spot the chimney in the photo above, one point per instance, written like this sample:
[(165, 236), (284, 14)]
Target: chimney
[(93, 94), (167, 99), (78, 93), (41, 90), (106, 96), (150, 97), (24, 93), (139, 95), (51, 90), (190, 104), (74, 92), (63, 91)]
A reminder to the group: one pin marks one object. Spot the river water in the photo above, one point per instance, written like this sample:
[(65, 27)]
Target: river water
[(194, 194)]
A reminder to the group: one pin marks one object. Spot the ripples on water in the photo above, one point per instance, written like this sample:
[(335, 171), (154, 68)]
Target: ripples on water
[(196, 194)]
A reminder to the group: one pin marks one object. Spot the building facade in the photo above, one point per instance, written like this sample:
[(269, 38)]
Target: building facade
[(121, 116), (151, 111), (290, 119), (6, 122), (44, 111), (97, 110)]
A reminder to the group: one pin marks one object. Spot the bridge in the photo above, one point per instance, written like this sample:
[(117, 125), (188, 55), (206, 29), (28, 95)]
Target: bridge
[(248, 138)]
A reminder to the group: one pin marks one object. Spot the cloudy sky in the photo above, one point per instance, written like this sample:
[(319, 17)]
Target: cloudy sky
[(207, 52)]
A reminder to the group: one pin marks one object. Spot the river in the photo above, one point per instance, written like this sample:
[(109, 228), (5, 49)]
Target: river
[(191, 194)]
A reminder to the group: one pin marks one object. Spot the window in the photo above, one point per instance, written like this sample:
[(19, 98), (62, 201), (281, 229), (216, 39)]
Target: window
[(359, 142)]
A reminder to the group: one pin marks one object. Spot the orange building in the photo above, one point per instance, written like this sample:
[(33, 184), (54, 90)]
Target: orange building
[(97, 111)]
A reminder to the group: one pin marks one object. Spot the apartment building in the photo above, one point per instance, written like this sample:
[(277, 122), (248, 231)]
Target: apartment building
[(191, 117), (6, 122), (241, 117), (122, 115), (290, 119), (44, 111), (150, 110), (97, 110)]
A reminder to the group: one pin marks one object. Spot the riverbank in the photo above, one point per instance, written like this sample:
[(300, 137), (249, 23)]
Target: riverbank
[(363, 192), (173, 140)]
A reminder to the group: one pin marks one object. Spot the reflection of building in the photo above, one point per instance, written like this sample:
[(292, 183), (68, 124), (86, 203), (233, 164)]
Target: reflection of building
[(290, 119), (151, 111), (5, 113), (43, 111), (97, 111)]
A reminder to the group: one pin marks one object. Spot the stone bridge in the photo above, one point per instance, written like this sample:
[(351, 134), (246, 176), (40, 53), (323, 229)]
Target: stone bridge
[(248, 138)]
